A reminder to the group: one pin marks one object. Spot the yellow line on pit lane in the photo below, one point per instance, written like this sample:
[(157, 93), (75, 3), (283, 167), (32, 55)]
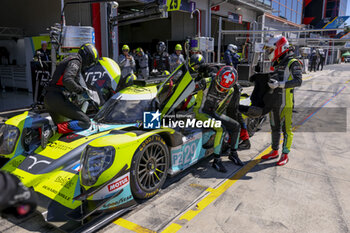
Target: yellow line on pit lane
[(307, 78), (201, 205), (215, 193), (212, 196), (132, 226)]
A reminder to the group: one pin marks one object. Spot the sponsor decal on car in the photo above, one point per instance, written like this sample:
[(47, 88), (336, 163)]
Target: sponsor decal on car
[(64, 181), (118, 184), (113, 187), (116, 203), (76, 167)]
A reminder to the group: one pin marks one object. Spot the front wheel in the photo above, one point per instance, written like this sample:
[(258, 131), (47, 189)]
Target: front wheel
[(149, 167)]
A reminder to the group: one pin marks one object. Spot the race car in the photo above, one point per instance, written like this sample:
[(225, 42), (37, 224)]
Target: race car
[(120, 159)]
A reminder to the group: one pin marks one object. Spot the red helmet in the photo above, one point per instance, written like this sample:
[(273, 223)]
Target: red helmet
[(276, 47), (226, 78)]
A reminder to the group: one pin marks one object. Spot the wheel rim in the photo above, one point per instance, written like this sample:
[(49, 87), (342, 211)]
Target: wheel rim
[(152, 167)]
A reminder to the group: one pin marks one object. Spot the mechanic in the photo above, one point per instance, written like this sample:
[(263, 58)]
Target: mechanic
[(161, 58), (126, 62), (66, 82), (231, 57), (287, 75), (321, 61), (15, 199), (216, 88), (45, 54), (142, 59), (234, 113), (176, 58)]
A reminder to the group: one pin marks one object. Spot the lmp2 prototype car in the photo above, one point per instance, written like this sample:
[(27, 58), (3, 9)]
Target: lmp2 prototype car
[(101, 171)]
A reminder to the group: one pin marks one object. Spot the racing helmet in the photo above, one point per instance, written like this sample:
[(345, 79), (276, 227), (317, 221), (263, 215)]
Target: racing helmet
[(178, 47), (232, 48), (161, 47), (225, 79), (165, 72), (276, 47), (89, 55), (195, 61)]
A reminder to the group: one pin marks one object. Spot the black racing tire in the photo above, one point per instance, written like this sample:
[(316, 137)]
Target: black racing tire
[(149, 167)]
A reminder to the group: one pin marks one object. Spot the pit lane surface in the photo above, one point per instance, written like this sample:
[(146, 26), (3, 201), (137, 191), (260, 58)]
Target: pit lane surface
[(309, 194)]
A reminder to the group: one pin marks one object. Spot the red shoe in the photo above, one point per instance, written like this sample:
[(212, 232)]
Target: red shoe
[(272, 155), (283, 160)]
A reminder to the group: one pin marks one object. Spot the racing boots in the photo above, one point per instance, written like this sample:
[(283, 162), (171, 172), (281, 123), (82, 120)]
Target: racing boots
[(244, 145), (47, 131), (272, 155), (217, 165), (233, 156), (283, 160)]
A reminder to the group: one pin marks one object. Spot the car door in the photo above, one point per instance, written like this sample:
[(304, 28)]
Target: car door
[(175, 89)]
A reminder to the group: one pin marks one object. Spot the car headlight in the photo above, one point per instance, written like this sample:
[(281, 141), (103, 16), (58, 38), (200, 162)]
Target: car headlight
[(94, 161), (8, 138)]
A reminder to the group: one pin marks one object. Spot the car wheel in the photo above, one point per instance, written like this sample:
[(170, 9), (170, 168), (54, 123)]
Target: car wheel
[(149, 167)]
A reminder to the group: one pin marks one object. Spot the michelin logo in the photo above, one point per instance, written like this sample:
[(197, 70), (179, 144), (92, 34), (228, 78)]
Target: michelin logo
[(151, 120)]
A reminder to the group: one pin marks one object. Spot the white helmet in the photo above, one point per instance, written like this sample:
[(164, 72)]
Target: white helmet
[(276, 47), (232, 48)]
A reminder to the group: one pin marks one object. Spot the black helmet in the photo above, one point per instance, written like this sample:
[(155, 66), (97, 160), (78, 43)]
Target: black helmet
[(161, 47), (89, 55), (226, 78), (195, 61)]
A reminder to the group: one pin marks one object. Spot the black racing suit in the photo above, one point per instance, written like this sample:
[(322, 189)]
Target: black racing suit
[(65, 81), (212, 103), (287, 70), (161, 62), (233, 112)]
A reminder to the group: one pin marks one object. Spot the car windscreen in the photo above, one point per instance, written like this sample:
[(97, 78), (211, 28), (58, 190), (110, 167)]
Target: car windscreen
[(117, 111)]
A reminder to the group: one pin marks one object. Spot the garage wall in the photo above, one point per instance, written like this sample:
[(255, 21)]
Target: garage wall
[(145, 32), (182, 25), (35, 16)]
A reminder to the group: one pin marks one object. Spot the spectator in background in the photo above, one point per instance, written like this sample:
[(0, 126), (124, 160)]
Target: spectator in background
[(321, 62), (176, 58), (45, 54), (313, 60)]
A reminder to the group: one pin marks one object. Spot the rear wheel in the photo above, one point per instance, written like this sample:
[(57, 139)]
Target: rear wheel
[(149, 167)]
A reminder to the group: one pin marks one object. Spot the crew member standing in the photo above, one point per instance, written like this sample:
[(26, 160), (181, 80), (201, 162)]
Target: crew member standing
[(287, 76), (126, 62), (176, 58), (161, 58), (45, 53), (142, 60), (231, 57)]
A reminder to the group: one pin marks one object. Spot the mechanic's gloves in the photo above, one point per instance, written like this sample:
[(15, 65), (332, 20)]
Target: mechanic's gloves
[(273, 84), (15, 199), (201, 84)]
